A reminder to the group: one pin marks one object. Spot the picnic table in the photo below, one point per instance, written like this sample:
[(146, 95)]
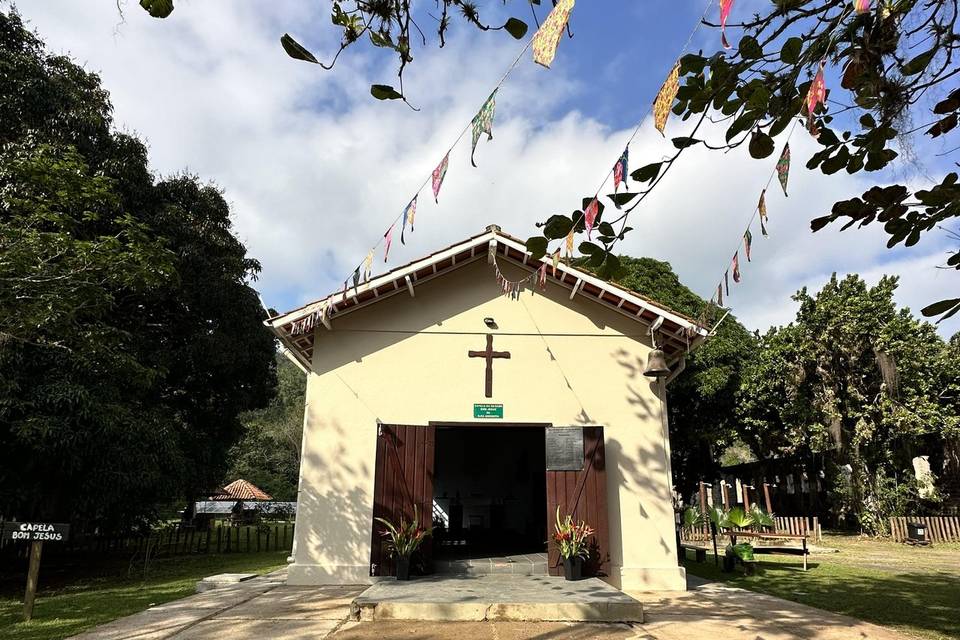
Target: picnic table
[(802, 550)]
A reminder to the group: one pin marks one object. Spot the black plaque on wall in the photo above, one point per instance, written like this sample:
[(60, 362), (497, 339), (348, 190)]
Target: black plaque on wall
[(564, 448)]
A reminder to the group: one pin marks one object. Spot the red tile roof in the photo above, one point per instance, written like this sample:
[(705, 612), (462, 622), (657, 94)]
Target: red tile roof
[(241, 490)]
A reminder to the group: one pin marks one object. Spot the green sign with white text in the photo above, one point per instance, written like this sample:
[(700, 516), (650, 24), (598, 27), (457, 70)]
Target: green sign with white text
[(488, 411)]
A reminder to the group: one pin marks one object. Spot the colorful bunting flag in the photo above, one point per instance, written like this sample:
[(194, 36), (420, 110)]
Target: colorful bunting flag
[(736, 267), (547, 38), (542, 276), (368, 266), (408, 214), (388, 238), (720, 295), (569, 244), (783, 167), (762, 208), (556, 261), (861, 6), (747, 242), (726, 281), (590, 215), (356, 280), (483, 122), (665, 98), (725, 7), (346, 285), (438, 175), (816, 96), (620, 170)]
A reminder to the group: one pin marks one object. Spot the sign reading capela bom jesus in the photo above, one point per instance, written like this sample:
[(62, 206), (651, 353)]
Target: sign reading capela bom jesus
[(35, 531)]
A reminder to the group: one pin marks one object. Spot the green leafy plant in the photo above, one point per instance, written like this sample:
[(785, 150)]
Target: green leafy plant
[(692, 517), (761, 519), (571, 537), (405, 537), (737, 518)]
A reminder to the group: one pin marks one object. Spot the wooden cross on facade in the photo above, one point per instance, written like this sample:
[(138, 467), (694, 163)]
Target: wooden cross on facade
[(489, 354)]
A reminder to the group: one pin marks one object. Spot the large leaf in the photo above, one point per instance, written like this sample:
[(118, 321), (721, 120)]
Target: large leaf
[(537, 246), (158, 8), (384, 92), (684, 141), (761, 145), (949, 307), (620, 199), (918, 64), (516, 28), (557, 227), (647, 173), (296, 50), (790, 53)]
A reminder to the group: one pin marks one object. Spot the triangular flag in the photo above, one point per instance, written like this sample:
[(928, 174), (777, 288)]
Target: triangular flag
[(547, 38), (356, 280), (408, 215), (726, 281), (556, 261), (783, 167), (816, 96), (720, 295), (388, 237), (736, 267), (747, 241), (346, 285), (590, 215), (665, 98), (725, 7), (438, 175), (569, 243), (762, 208), (620, 170), (483, 122), (368, 265), (542, 276), (861, 6)]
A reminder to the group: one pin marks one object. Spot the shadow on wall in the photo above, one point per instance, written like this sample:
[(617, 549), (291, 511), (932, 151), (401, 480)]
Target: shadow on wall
[(336, 524)]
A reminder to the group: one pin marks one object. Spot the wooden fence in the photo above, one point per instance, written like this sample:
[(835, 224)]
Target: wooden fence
[(939, 528), (173, 541), (795, 526)]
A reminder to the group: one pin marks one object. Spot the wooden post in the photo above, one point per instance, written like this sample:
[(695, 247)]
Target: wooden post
[(746, 496), (703, 498), (766, 496), (33, 573), (723, 493)]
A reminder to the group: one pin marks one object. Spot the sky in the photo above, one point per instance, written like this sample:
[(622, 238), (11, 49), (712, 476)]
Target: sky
[(315, 169)]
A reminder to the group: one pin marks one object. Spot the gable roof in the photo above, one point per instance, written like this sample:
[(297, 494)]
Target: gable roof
[(241, 490), (678, 333)]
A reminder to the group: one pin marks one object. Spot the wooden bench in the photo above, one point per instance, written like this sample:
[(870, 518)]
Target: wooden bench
[(700, 551), (802, 550)]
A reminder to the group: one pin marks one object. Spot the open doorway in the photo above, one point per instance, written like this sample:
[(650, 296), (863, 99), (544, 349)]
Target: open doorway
[(489, 494)]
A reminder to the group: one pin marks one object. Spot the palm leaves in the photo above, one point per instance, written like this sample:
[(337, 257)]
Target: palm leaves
[(404, 538)]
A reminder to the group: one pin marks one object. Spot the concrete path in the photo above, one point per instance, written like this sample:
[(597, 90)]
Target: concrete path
[(267, 609)]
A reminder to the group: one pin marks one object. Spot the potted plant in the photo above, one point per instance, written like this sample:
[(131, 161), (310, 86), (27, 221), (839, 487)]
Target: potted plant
[(571, 539), (403, 539), (736, 519)]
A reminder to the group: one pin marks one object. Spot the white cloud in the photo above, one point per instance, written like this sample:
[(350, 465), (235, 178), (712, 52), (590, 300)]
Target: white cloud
[(315, 169)]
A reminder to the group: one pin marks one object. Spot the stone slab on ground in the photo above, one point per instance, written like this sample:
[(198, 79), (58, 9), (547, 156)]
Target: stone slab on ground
[(223, 580), (496, 597)]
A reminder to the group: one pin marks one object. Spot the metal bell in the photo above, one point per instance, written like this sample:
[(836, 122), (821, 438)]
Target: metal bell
[(657, 365)]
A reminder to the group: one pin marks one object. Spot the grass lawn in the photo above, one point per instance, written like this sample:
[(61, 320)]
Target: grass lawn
[(913, 590), (73, 599)]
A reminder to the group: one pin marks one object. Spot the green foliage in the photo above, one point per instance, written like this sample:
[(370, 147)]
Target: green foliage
[(268, 452), (692, 517), (744, 551), (857, 381), (737, 518), (404, 537), (130, 339)]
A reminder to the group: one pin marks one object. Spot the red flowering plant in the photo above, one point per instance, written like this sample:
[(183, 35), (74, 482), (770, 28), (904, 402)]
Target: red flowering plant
[(571, 537), (405, 537)]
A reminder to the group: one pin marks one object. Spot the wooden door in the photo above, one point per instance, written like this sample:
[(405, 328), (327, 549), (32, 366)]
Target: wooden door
[(404, 478), (582, 494)]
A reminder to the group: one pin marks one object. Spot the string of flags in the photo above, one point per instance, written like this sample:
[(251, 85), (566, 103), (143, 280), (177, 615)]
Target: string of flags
[(513, 288), (544, 44)]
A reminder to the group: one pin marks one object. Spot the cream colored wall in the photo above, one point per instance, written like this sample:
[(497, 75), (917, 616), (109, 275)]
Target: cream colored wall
[(591, 375)]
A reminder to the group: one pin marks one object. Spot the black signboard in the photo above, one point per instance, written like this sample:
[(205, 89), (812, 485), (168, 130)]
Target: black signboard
[(35, 531), (564, 449)]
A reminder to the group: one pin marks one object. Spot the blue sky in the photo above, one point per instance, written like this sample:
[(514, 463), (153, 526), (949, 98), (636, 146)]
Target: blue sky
[(315, 169)]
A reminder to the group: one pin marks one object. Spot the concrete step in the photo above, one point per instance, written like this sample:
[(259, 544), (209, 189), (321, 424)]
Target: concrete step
[(496, 597)]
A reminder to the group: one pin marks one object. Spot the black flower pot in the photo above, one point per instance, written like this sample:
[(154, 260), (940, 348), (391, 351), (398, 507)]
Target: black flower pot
[(403, 567), (573, 568), (729, 560)]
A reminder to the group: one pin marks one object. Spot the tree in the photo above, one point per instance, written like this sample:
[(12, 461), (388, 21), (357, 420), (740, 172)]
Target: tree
[(268, 453), (858, 381), (130, 338), (702, 401)]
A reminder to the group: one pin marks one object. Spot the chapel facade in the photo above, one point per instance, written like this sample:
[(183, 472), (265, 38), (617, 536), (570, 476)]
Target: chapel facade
[(432, 392)]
